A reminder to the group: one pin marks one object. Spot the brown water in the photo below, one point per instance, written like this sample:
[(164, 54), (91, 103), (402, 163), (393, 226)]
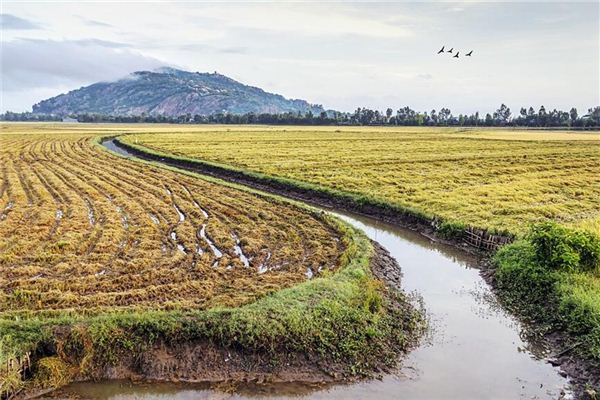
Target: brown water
[(475, 350)]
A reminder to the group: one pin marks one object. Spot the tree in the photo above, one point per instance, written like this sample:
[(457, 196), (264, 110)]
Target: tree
[(388, 114), (542, 116), (502, 115), (573, 116), (594, 116), (434, 117), (445, 116), (362, 116), (523, 112), (489, 121)]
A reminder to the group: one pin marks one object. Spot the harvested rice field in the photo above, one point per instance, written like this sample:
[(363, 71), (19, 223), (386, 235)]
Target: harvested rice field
[(81, 228), (499, 179)]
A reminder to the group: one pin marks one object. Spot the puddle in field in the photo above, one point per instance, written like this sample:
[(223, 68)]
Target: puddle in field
[(202, 210), (124, 220), (212, 246), (180, 247), (237, 249), (181, 215), (6, 210), (475, 350), (154, 218), (309, 274), (91, 216), (262, 268)]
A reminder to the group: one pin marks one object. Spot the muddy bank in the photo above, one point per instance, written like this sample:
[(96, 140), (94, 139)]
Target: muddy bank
[(210, 363)]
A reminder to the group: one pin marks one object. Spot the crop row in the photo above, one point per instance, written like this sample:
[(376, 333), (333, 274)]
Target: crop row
[(82, 228)]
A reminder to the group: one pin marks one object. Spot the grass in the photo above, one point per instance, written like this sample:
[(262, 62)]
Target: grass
[(101, 257), (558, 291)]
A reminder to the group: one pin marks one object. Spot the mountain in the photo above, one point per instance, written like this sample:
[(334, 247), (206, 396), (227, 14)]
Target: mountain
[(171, 92)]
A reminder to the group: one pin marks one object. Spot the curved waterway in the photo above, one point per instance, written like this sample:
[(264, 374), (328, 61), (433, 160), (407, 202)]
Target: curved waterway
[(474, 350)]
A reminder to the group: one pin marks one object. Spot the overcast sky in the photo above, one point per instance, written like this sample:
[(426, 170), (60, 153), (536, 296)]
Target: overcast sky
[(340, 54)]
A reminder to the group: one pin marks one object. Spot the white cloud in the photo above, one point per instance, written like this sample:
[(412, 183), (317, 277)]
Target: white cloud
[(12, 22), (29, 64)]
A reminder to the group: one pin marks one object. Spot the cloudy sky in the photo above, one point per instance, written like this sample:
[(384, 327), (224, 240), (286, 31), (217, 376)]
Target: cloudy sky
[(339, 54)]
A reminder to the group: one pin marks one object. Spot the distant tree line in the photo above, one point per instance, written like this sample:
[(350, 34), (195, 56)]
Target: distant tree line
[(29, 116), (362, 116)]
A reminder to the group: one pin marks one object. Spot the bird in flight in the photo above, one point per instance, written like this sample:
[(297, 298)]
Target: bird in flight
[(469, 53), (456, 55), (450, 51), (441, 50)]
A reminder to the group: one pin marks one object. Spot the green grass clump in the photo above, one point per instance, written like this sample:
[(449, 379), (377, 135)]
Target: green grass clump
[(451, 230), (560, 248), (553, 277)]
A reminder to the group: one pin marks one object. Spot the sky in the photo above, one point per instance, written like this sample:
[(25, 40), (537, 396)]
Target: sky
[(342, 55)]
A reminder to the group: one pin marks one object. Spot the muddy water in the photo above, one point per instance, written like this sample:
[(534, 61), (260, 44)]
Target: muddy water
[(475, 350)]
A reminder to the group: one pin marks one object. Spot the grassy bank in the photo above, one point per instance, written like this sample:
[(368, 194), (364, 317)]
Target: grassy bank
[(552, 276)]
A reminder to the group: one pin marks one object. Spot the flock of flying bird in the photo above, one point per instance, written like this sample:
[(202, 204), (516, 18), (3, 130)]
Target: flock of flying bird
[(451, 50)]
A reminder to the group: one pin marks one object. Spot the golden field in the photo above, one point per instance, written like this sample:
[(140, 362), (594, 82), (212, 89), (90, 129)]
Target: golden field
[(500, 179), (82, 228)]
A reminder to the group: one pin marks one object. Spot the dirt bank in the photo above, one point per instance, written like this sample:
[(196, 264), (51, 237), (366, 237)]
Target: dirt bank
[(206, 362)]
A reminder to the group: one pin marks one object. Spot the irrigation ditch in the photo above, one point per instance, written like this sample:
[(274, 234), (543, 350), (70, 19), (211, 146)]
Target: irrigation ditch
[(475, 349)]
